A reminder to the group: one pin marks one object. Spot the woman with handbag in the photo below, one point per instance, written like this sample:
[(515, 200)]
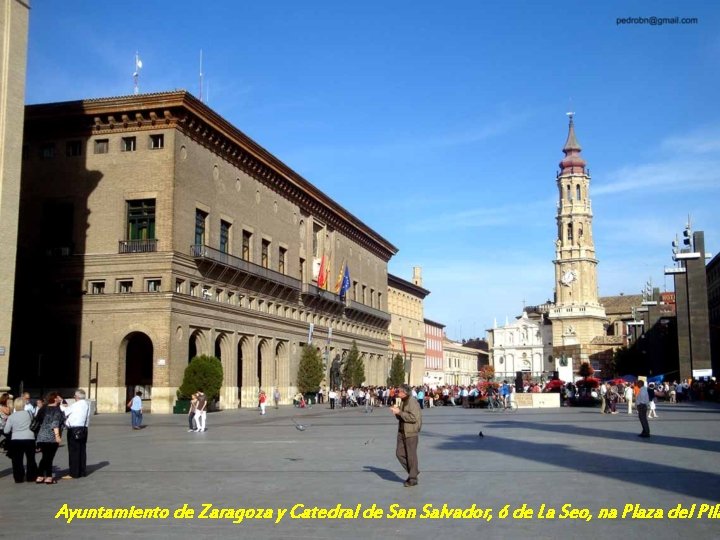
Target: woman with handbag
[(49, 437), (22, 443)]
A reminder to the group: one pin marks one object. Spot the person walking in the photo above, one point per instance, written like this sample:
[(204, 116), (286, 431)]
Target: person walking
[(135, 405), (77, 420), (629, 394), (276, 397), (262, 399), (409, 418), (642, 406), (22, 443), (201, 412), (49, 437)]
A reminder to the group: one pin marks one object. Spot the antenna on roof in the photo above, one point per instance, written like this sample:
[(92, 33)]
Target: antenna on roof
[(136, 73), (201, 77)]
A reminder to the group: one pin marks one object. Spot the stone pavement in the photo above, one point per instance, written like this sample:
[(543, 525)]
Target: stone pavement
[(575, 457)]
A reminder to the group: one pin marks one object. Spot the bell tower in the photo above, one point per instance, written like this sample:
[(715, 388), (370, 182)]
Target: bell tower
[(577, 316)]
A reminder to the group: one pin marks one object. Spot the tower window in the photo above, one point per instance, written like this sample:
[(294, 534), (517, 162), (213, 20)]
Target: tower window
[(570, 232), (569, 193), (577, 192)]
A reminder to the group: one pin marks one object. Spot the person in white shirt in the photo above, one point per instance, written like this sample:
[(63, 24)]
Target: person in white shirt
[(629, 397), (77, 419)]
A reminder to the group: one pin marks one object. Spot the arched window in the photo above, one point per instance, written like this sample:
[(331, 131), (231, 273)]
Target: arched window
[(570, 232), (569, 193), (577, 192)]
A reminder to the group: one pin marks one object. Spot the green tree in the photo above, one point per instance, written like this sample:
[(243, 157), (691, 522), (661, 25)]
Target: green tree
[(310, 370), (354, 369), (397, 371), (202, 373)]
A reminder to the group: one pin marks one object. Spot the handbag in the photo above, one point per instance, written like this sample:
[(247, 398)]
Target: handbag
[(79, 433), (36, 422)]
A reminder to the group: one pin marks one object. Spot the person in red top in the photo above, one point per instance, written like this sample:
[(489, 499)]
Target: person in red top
[(262, 399)]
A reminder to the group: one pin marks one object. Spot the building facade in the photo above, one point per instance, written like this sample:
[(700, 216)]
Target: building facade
[(713, 286), (434, 357), (405, 303), (152, 231), (522, 345), (14, 15), (461, 363)]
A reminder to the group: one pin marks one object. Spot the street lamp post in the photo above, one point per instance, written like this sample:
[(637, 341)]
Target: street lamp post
[(89, 358)]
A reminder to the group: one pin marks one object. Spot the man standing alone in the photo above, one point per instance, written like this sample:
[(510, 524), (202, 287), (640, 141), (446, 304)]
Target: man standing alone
[(135, 405), (410, 423), (642, 406)]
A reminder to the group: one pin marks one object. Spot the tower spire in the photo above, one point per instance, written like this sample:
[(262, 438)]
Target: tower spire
[(573, 162)]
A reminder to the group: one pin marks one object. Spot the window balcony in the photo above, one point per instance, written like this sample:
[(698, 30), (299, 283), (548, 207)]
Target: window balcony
[(138, 246), (215, 256), (313, 290)]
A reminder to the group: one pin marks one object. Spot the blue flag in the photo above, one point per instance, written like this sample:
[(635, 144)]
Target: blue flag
[(345, 285)]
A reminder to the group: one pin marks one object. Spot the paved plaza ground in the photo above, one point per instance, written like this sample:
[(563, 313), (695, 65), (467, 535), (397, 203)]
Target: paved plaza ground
[(575, 457)]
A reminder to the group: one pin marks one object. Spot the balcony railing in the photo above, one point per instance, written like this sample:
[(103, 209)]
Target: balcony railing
[(137, 246), (211, 254), (362, 308), (314, 290)]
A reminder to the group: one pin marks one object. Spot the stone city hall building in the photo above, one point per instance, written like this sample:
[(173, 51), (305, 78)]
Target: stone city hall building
[(152, 230)]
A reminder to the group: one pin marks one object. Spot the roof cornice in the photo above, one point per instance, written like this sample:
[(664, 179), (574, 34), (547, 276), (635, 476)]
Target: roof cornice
[(182, 111)]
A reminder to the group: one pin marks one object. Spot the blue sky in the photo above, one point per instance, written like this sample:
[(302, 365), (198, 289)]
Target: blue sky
[(440, 125)]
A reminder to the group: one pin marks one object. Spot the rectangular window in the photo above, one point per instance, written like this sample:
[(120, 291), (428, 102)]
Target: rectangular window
[(265, 254), (102, 146), (364, 294), (355, 290), (372, 297), (379, 303), (246, 246), (317, 239), (157, 142), (73, 148), (97, 287), (218, 295), (125, 286), (200, 220), (302, 270), (47, 151), (193, 289), (179, 286), (57, 226), (129, 144), (230, 297), (153, 285), (224, 236), (282, 254), (141, 219)]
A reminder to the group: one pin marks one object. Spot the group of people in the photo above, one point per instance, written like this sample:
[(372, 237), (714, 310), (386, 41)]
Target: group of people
[(31, 428)]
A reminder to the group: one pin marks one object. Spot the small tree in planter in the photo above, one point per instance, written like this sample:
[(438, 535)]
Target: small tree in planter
[(354, 369), (203, 372), (310, 370), (397, 371)]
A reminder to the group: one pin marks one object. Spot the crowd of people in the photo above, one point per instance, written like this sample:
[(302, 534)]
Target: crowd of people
[(36, 427)]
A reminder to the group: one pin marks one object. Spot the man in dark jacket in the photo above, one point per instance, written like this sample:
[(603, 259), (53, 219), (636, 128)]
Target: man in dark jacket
[(410, 423)]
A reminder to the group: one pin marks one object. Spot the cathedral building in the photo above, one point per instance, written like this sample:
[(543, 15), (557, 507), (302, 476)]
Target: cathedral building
[(578, 318)]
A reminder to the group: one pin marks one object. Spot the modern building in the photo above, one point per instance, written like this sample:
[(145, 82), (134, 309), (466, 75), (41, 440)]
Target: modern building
[(152, 230), (405, 304), (691, 305), (713, 285), (434, 357), (14, 16), (577, 315)]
